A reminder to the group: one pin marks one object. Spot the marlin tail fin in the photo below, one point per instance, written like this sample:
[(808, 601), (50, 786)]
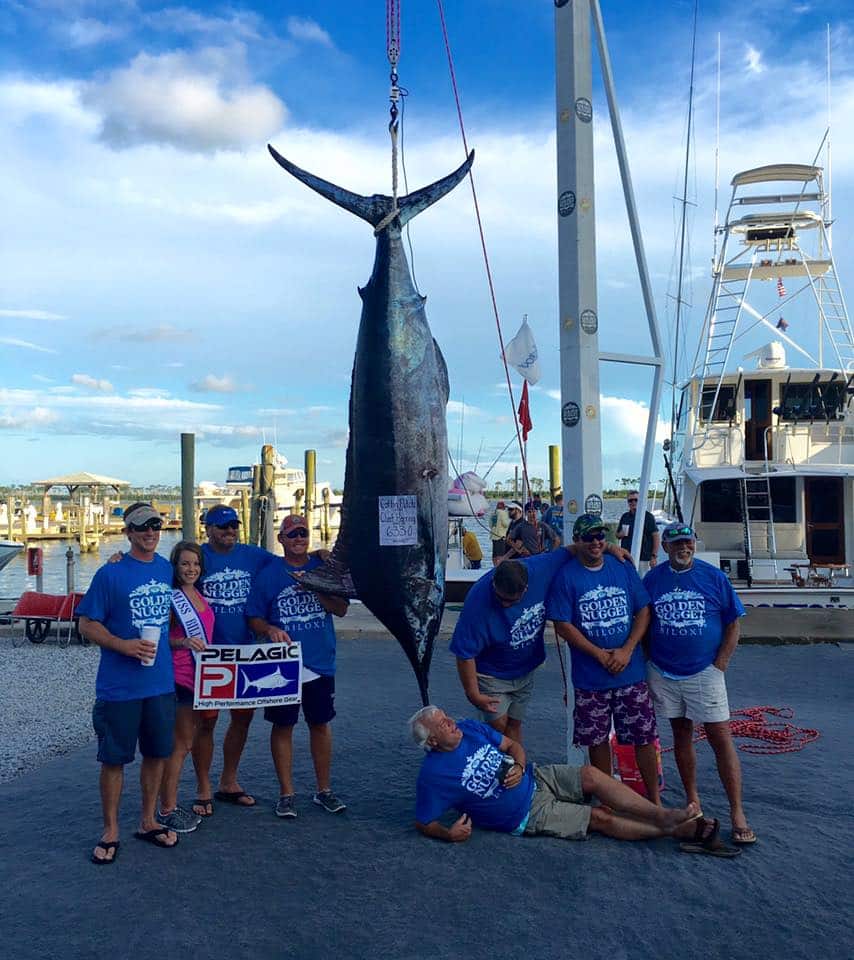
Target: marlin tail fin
[(376, 208)]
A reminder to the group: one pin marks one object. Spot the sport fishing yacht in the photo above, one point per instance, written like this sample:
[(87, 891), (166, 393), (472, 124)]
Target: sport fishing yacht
[(764, 457)]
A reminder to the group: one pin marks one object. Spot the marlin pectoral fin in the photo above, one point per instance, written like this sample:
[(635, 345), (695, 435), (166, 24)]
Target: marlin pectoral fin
[(444, 382)]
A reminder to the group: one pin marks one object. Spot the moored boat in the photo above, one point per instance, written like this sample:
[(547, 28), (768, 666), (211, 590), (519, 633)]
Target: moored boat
[(765, 457)]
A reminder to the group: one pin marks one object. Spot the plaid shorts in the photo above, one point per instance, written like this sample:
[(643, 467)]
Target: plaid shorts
[(630, 708)]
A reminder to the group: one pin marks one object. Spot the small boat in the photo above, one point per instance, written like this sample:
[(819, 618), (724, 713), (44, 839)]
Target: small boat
[(9, 549)]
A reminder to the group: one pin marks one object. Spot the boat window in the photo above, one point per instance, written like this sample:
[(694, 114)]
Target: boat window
[(725, 407), (812, 401), (720, 501), (783, 500)]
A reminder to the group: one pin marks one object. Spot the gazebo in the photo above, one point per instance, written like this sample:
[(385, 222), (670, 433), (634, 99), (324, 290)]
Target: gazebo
[(73, 481)]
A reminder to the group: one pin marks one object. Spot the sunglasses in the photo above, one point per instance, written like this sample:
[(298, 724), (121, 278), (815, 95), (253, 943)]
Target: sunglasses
[(298, 532), (680, 532), (593, 537), (231, 525), (633, 499), (148, 525)]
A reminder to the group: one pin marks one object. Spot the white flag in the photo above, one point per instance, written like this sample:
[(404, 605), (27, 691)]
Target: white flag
[(521, 353)]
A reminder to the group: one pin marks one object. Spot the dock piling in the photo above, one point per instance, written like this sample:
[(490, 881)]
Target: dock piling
[(188, 469), (310, 472)]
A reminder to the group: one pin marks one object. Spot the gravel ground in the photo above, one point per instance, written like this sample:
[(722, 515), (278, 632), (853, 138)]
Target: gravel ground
[(47, 702)]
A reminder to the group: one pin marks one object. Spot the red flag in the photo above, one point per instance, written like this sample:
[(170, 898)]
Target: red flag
[(525, 413)]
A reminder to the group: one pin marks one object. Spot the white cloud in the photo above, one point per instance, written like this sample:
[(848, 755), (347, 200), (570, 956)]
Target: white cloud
[(303, 28), (91, 383), (753, 60), (32, 315), (457, 407), (27, 419), (26, 345), (214, 384), (88, 32), (198, 103)]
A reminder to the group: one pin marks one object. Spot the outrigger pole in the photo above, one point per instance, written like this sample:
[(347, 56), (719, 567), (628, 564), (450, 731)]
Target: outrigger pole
[(579, 321)]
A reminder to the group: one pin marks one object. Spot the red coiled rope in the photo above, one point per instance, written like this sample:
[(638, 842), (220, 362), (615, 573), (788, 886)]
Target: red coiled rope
[(769, 736)]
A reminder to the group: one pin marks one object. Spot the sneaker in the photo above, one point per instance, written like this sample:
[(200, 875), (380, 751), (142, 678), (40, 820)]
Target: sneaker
[(179, 820), (329, 802), (285, 807)]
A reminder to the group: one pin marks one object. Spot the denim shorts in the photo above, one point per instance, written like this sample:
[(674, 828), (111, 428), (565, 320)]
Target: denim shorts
[(318, 705), (120, 724)]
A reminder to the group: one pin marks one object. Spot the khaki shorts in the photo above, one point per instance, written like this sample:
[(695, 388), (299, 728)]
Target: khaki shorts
[(513, 695), (701, 698), (559, 807)]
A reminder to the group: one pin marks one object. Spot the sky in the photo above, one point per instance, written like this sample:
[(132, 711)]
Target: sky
[(160, 274)]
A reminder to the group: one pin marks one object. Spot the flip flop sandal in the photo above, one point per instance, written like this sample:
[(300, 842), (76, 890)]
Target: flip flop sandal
[(106, 846), (151, 836), (718, 849), (710, 844), (743, 836), (201, 802), (234, 797)]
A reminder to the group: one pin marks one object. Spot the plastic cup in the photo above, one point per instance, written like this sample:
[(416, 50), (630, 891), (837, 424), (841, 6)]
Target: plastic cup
[(151, 633)]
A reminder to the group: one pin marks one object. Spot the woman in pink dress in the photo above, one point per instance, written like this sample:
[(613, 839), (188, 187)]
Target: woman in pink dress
[(190, 630)]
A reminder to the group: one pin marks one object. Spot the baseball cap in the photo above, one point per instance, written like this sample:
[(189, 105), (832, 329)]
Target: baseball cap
[(219, 515), (586, 523), (677, 531), (292, 522), (140, 513), (515, 505)]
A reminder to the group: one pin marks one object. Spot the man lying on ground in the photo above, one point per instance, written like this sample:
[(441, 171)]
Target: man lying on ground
[(472, 768)]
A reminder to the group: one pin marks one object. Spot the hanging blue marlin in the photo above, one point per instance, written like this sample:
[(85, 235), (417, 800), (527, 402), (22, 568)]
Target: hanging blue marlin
[(393, 541)]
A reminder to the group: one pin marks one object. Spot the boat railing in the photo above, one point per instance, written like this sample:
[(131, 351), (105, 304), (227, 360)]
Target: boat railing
[(804, 442)]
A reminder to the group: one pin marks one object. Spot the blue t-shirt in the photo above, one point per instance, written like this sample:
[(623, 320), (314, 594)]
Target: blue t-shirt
[(278, 599), (602, 605), (125, 597), (507, 642), (465, 780), (554, 518), (226, 585), (689, 612)]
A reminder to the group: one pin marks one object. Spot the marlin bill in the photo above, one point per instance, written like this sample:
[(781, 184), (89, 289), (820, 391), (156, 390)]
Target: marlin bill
[(392, 545)]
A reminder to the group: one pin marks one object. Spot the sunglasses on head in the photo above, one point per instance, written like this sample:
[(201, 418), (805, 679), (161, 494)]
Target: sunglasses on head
[(148, 525), (297, 532), (593, 537), (231, 525), (680, 532)]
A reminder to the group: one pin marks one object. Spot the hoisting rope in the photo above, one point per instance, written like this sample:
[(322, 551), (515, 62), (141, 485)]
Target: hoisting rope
[(392, 37), (526, 485)]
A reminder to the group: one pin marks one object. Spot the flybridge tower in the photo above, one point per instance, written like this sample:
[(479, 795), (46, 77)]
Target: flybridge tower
[(579, 316)]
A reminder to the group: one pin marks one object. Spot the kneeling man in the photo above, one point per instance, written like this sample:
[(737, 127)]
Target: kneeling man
[(472, 768)]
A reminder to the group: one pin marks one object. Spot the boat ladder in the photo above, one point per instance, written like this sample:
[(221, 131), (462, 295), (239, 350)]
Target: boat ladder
[(757, 507), (725, 308), (834, 315)]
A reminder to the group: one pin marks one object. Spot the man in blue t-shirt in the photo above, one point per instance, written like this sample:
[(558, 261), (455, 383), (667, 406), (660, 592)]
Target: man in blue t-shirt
[(601, 610), (135, 685), (553, 516), (282, 611), (230, 568), (484, 776), (694, 633), (498, 640)]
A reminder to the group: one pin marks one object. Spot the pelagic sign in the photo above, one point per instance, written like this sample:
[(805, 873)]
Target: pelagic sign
[(250, 675)]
